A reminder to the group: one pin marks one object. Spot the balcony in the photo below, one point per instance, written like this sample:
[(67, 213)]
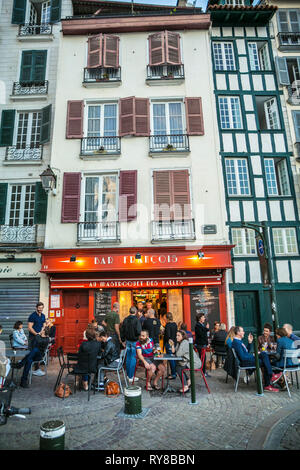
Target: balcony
[(173, 230), (294, 93), (25, 154), (289, 42), (18, 235), (29, 90), (169, 145), (100, 232), (101, 76), (100, 147), (165, 74), (37, 32)]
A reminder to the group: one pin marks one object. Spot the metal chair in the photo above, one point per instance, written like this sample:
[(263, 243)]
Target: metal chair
[(116, 369), (80, 368), (239, 368), (44, 360), (293, 354), (71, 361), (196, 370)]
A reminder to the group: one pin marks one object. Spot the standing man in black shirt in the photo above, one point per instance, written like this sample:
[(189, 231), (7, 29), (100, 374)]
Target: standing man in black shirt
[(201, 337), (152, 325)]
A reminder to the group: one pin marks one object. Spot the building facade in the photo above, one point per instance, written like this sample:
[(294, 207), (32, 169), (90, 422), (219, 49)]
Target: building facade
[(258, 161)]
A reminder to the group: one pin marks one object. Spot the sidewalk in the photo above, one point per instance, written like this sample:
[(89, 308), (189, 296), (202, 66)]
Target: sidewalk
[(220, 420)]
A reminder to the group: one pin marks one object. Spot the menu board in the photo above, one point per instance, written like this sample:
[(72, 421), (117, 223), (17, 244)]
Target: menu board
[(205, 300), (102, 304)]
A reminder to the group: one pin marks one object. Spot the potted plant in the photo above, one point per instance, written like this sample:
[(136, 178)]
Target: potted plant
[(169, 147)]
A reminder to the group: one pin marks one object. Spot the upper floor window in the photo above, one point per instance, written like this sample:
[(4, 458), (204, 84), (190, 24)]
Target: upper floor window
[(33, 67), (101, 128), (267, 112), (235, 2), (259, 56), (165, 59), (36, 12), (237, 177), (277, 177), (20, 207), (230, 112), (289, 21), (100, 198), (167, 123), (285, 241), (244, 241), (296, 119), (223, 56)]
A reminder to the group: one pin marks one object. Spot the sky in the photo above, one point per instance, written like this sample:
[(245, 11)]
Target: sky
[(199, 3)]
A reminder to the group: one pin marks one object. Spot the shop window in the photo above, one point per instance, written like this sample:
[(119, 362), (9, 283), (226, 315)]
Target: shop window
[(267, 112), (277, 177), (285, 241)]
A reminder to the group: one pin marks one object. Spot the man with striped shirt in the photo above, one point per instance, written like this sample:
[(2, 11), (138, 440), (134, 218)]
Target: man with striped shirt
[(145, 353)]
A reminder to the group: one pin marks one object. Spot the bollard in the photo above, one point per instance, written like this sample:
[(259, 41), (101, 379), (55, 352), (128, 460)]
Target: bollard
[(52, 435), (133, 400), (192, 372), (258, 373)]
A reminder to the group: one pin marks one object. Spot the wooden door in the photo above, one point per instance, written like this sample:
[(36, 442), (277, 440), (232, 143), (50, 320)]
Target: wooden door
[(247, 313), (76, 316)]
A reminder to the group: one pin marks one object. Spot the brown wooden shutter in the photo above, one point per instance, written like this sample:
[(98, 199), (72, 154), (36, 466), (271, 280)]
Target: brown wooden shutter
[(194, 116), (162, 188), (142, 117), (181, 209), (157, 49), (172, 48), (111, 51), (95, 51), (71, 198), (127, 116), (75, 120), (128, 196)]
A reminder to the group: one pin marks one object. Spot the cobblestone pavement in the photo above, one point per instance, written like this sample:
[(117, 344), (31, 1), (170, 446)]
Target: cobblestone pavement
[(291, 438), (220, 420)]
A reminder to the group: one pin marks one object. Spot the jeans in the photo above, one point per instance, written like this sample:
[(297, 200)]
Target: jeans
[(130, 358), (264, 362), (172, 363), (34, 355)]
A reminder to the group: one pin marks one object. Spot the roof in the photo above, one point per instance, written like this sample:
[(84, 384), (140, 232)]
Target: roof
[(228, 15)]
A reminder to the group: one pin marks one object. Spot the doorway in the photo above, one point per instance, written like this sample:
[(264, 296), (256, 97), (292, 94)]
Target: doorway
[(76, 316), (247, 312)]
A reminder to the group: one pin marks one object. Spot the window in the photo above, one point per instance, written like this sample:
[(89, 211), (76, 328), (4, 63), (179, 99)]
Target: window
[(33, 67), (285, 241), (235, 3), (39, 13), (20, 211), (259, 56), (296, 119), (223, 56), (230, 112), (289, 21), (244, 241), (101, 127), (167, 124), (277, 177), (237, 177), (267, 112), (28, 130)]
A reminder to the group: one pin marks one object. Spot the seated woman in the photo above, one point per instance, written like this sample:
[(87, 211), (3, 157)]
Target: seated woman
[(283, 343), (230, 337), (93, 348), (218, 344), (182, 350), (19, 340)]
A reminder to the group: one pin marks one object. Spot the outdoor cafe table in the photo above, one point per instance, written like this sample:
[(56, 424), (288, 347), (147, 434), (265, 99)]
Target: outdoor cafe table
[(168, 357), (14, 354)]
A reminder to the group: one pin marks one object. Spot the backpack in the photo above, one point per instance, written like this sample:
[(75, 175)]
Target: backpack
[(131, 328)]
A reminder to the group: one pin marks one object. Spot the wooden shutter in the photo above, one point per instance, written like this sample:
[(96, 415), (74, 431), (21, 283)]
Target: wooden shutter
[(157, 49), (194, 116), (181, 203), (46, 124), (40, 204), (142, 117), (19, 12), (282, 70), (7, 127), (3, 201), (95, 51), (26, 66), (55, 11), (39, 66), (127, 116), (71, 198), (162, 188), (172, 48), (75, 120), (296, 119), (128, 196), (111, 51)]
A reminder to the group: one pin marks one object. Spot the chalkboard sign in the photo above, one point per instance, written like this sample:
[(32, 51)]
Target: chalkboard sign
[(102, 304), (205, 300)]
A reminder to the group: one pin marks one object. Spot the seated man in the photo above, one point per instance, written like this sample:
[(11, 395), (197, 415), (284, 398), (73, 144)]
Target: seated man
[(145, 353), (283, 343), (109, 356), (265, 341), (247, 359), (291, 335)]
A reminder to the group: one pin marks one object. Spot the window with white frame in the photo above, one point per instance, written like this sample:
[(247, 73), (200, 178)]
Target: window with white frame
[(20, 207), (277, 177), (235, 3), (101, 125), (289, 21), (230, 112), (100, 198), (237, 177), (28, 130), (223, 56), (259, 56), (267, 112), (167, 123), (285, 241), (244, 241), (39, 13)]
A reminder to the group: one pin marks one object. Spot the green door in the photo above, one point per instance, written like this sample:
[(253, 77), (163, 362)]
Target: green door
[(247, 312), (289, 308)]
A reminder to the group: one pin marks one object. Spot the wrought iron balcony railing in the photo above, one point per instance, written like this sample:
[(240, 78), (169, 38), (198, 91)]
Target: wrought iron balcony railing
[(30, 88), (98, 232), (24, 153), (101, 74), (289, 41), (100, 145), (35, 29), (18, 234), (165, 72), (169, 143), (173, 230)]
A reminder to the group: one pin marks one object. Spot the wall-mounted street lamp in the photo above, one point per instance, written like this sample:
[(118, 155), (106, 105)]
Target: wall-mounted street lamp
[(138, 256), (200, 254), (48, 179)]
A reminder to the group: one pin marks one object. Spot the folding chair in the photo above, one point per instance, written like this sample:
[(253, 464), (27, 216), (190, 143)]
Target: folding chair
[(44, 360), (293, 354), (239, 368), (117, 369)]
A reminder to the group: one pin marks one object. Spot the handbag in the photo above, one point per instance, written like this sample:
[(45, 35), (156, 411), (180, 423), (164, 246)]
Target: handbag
[(63, 391), (112, 388)]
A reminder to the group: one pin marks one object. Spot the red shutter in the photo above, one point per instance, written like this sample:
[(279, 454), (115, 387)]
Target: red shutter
[(172, 48), (162, 188), (157, 49), (127, 116), (71, 198), (142, 117), (181, 209), (194, 116), (95, 51), (128, 196), (111, 51), (75, 120)]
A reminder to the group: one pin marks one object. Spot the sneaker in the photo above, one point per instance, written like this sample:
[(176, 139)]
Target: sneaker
[(38, 372), (136, 379), (269, 388), (275, 378), (246, 379)]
